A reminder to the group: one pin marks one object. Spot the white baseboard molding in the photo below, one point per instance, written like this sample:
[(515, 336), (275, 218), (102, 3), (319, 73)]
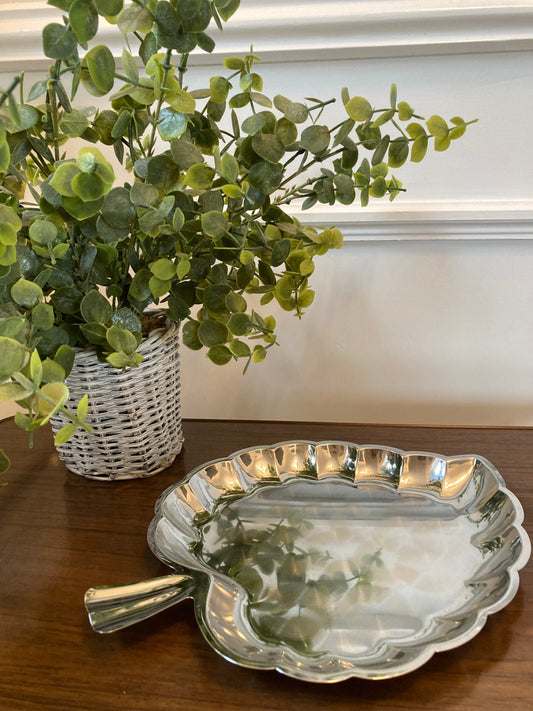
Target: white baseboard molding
[(285, 30), (427, 221)]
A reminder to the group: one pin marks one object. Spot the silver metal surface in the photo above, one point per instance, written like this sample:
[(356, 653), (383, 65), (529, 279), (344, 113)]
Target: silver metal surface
[(331, 560)]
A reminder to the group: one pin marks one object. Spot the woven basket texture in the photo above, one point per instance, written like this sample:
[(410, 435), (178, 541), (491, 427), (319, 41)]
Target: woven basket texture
[(136, 413)]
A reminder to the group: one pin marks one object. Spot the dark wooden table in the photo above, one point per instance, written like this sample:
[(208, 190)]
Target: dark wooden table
[(61, 534)]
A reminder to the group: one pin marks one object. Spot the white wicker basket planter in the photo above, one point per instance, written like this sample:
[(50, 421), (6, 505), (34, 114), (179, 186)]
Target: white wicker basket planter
[(135, 413)]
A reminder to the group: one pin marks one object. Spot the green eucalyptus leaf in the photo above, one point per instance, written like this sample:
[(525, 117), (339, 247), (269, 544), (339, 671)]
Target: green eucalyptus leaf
[(460, 128), (65, 433), (286, 130), (226, 8), (381, 150), (253, 124), (268, 146), (219, 355), (415, 129), (95, 307), (26, 293), (265, 176), (94, 332), (259, 354), (379, 187), (51, 339), (181, 100), (26, 117), (405, 112), (296, 112), (65, 358), (121, 339), (109, 8), (195, 15), (8, 234), (12, 357), (42, 316), (57, 393), (315, 139), (163, 268), (38, 89), (169, 28), (52, 372), (190, 335), (139, 288), (235, 303), (178, 220), (124, 318), (5, 157), (135, 18), (159, 287), (117, 208), (442, 143), (212, 333), (239, 349), (237, 101), (214, 224), (218, 89), (172, 124), (61, 180), (58, 41), (101, 67), (214, 297), (118, 360), (200, 176), (177, 308), (83, 19), (129, 65), (13, 392), (419, 148), (437, 126), (398, 152), (67, 299), (280, 252), (229, 167), (83, 407), (385, 117), (239, 324), (162, 172), (80, 209), (89, 187), (143, 195), (359, 109), (205, 42), (345, 189), (11, 326), (74, 123), (185, 153)]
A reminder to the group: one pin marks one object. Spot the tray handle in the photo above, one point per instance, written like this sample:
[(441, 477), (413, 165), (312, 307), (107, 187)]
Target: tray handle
[(113, 607)]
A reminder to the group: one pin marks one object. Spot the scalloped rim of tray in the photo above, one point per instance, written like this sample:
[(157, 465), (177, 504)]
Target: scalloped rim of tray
[(214, 483)]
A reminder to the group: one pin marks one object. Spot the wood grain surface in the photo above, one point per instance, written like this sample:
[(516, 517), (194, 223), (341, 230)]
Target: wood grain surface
[(61, 534)]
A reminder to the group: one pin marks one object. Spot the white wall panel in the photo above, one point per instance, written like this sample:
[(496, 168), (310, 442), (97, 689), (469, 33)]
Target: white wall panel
[(426, 314)]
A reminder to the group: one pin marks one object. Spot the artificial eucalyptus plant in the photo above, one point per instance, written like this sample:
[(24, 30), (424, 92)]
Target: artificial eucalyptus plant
[(202, 219)]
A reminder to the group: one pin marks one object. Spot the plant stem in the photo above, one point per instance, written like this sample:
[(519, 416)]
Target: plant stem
[(155, 119), (13, 169), (321, 104), (182, 68), (51, 105), (4, 95), (304, 168), (40, 164)]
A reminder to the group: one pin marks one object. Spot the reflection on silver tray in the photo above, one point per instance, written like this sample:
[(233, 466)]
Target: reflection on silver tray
[(331, 560)]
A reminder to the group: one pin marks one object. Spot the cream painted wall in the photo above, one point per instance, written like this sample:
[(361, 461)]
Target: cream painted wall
[(425, 316)]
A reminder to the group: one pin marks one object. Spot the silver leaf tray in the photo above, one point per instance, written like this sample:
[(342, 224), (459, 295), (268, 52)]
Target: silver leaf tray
[(331, 560)]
